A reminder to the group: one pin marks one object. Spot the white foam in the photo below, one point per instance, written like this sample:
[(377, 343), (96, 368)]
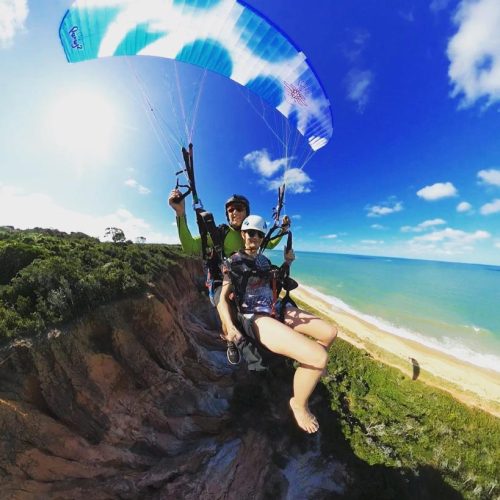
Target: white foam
[(446, 345)]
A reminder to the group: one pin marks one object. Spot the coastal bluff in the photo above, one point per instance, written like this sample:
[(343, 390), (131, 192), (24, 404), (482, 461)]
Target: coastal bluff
[(114, 384), (136, 400)]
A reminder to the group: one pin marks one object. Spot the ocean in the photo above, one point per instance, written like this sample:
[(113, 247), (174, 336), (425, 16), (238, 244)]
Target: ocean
[(454, 308)]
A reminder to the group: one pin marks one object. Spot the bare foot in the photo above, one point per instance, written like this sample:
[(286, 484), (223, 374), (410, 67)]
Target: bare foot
[(305, 419)]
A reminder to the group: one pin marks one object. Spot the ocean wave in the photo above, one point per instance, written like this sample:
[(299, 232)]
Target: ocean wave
[(446, 345), (477, 330)]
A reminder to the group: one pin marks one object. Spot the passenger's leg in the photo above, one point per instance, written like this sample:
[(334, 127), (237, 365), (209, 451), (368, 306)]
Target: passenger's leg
[(281, 339), (308, 324)]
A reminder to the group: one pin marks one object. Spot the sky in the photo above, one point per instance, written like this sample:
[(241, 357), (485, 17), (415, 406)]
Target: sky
[(412, 169)]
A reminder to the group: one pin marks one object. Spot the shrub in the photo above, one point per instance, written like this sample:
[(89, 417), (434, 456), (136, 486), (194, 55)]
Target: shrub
[(15, 256), (48, 277)]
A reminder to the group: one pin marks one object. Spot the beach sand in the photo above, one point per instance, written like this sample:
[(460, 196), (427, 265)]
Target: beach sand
[(468, 383)]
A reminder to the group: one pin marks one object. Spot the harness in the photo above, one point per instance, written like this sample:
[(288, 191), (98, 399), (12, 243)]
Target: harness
[(213, 256), (242, 270)]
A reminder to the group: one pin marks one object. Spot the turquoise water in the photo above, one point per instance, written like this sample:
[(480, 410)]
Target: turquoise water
[(454, 308)]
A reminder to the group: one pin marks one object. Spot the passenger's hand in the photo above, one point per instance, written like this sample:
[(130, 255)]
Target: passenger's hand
[(289, 256), (286, 223), (178, 206), (233, 334)]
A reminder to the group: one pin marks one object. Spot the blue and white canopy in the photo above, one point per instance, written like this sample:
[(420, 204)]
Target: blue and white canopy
[(224, 36)]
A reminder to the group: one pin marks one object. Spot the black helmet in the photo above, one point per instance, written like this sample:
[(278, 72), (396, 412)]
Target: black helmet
[(237, 199)]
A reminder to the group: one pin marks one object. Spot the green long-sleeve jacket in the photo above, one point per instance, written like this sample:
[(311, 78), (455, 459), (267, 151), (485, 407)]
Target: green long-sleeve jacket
[(192, 245)]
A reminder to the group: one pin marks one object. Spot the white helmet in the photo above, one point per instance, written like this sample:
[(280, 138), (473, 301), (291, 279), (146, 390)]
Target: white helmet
[(254, 222)]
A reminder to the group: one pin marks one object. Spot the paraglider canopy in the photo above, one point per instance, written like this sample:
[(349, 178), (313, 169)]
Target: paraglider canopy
[(224, 36)]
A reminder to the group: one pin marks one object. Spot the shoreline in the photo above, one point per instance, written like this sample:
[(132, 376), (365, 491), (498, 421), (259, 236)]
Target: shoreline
[(470, 384)]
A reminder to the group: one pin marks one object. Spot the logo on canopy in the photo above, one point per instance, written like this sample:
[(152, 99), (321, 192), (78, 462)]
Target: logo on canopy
[(297, 93), (75, 37)]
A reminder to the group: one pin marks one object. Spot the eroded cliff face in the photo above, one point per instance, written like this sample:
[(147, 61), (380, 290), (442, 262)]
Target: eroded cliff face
[(137, 400)]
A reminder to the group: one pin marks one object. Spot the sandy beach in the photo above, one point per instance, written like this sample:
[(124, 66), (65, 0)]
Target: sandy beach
[(468, 383)]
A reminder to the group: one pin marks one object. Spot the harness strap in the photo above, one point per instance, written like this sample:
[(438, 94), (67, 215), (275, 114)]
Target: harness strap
[(206, 226), (275, 294), (276, 217), (212, 256), (240, 287), (285, 276), (187, 155)]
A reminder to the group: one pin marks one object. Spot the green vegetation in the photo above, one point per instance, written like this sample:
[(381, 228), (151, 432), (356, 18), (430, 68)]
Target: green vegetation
[(390, 420), (397, 422), (48, 277)]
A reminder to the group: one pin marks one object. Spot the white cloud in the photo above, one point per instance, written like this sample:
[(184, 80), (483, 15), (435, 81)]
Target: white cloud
[(13, 15), (491, 176), (438, 5), (407, 15), (329, 236), (132, 183), (437, 191), (464, 206), (27, 210), (355, 47), (372, 242), (296, 217), (378, 227), (358, 84), (386, 208), (360, 39), (454, 235), (491, 208), (430, 223), (474, 52), (297, 181), (427, 224), (447, 242), (260, 162), (497, 244)]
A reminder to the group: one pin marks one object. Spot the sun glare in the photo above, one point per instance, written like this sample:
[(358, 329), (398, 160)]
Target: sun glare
[(82, 124)]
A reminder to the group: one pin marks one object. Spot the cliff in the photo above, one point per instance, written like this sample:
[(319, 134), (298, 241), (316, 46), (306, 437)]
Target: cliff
[(137, 400), (114, 385)]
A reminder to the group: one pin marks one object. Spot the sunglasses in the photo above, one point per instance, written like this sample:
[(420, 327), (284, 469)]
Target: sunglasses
[(235, 208), (253, 232)]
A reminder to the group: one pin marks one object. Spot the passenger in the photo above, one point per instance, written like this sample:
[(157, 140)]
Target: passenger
[(247, 274)]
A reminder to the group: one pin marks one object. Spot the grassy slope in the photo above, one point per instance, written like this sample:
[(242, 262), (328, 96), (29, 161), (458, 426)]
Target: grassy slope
[(392, 420)]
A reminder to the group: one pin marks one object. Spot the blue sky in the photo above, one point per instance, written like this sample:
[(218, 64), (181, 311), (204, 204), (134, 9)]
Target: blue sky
[(412, 169)]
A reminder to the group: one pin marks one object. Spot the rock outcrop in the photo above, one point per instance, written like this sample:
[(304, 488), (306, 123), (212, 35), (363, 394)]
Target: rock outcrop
[(137, 400)]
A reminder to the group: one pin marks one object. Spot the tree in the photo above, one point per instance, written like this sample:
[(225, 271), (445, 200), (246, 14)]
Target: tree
[(140, 239), (115, 233)]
